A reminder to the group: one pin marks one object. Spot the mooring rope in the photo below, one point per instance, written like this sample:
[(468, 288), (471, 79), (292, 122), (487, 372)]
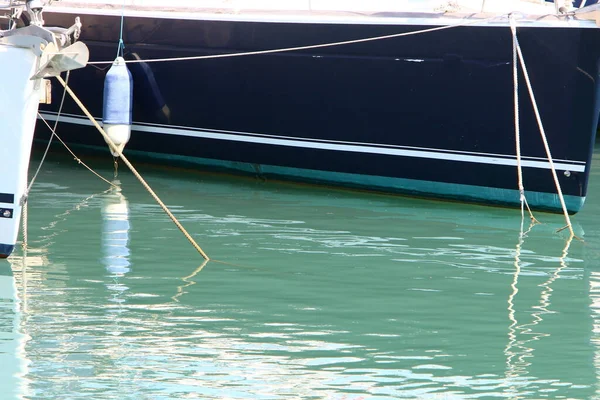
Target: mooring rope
[(114, 148), (542, 131), (24, 223), (522, 197), (308, 47)]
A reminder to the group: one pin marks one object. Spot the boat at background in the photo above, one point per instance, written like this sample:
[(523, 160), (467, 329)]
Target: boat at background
[(28, 54), (425, 109)]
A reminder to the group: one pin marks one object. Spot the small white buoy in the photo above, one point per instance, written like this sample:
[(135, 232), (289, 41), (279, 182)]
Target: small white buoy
[(118, 104)]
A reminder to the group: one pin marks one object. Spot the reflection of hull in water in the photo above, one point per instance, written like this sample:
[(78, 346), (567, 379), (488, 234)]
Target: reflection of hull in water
[(13, 361)]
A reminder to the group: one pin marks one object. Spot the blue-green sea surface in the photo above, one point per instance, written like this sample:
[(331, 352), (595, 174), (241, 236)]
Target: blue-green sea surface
[(313, 293)]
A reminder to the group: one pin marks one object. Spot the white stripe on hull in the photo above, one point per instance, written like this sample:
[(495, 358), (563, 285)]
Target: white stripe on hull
[(387, 150)]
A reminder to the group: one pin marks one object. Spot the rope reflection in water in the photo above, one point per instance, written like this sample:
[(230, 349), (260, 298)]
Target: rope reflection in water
[(522, 336), (595, 312)]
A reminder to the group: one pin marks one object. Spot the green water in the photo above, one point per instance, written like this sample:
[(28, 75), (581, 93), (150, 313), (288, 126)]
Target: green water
[(316, 294)]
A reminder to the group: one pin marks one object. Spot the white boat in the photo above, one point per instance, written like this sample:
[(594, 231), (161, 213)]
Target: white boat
[(28, 55)]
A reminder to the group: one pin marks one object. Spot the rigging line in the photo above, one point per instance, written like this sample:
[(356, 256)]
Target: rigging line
[(308, 47), (73, 154), (62, 102), (121, 45)]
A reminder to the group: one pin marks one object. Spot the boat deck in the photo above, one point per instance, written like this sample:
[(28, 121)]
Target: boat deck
[(388, 12), (315, 7)]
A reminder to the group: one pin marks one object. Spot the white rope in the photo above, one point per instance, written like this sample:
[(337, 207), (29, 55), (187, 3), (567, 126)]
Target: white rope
[(517, 129), (542, 131), (522, 198), (309, 47)]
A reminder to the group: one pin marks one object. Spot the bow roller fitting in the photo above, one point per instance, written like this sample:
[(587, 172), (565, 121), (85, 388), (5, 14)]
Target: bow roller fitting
[(118, 104)]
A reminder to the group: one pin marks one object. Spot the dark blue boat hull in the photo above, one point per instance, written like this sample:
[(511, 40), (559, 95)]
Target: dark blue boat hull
[(430, 114)]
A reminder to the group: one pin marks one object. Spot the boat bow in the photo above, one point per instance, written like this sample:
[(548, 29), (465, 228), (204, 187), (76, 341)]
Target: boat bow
[(28, 54)]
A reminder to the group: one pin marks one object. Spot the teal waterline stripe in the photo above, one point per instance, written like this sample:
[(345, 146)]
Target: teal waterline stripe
[(455, 191), (481, 194)]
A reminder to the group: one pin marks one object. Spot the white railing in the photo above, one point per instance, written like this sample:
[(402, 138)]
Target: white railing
[(495, 6)]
